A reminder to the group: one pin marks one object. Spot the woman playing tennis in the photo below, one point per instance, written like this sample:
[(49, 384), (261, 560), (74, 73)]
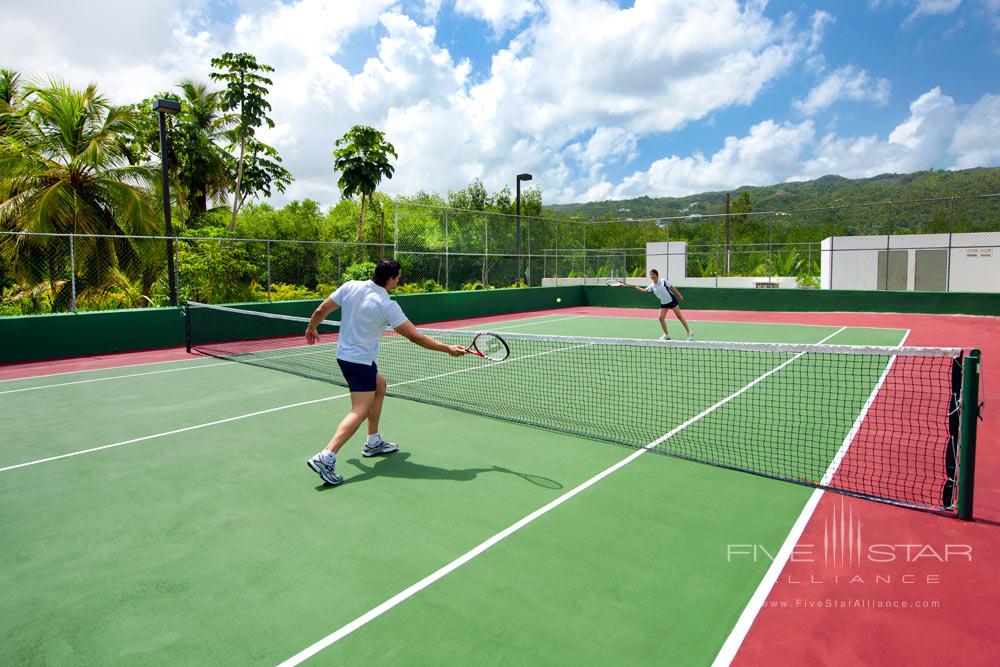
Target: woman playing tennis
[(668, 295)]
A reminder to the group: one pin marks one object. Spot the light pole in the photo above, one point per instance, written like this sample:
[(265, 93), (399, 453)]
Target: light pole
[(520, 177), (164, 107)]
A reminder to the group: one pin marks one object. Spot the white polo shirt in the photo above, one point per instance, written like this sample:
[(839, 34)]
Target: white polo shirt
[(366, 310), (661, 289)]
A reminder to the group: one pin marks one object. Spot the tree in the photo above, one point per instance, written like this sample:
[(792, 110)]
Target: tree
[(246, 94), (362, 158), (202, 166), (62, 169), (260, 174), (9, 95)]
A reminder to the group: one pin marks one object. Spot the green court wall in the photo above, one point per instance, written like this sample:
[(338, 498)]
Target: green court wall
[(37, 337), (803, 300)]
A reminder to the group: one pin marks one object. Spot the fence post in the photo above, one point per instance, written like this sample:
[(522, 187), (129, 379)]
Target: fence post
[(888, 242), (833, 235), (72, 273), (447, 250), (770, 248), (947, 277), (269, 269), (395, 229), (527, 232), (585, 253), (558, 230)]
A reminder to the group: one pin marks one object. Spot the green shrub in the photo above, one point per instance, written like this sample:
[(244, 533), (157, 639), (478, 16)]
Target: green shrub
[(409, 288), (286, 292), (359, 271), (420, 288), (215, 272)]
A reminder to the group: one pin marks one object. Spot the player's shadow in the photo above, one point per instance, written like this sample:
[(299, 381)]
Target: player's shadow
[(400, 465)]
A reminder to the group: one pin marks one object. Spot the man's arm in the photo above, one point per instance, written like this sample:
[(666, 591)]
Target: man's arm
[(409, 331), (322, 310), (676, 291), (641, 289)]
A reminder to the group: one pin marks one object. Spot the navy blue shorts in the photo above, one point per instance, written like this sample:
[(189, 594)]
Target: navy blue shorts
[(672, 304), (359, 376)]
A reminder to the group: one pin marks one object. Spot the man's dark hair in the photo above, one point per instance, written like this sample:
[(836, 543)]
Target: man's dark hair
[(385, 269), (654, 271)]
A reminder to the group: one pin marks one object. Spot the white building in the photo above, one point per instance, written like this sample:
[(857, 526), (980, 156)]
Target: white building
[(966, 262), (669, 258)]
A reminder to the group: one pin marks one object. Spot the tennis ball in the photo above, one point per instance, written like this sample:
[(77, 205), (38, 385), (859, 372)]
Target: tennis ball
[(558, 299)]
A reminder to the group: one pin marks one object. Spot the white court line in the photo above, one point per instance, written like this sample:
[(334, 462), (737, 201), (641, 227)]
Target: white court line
[(785, 324), (187, 368), (739, 632), (412, 590), (269, 410), (95, 370), (174, 361), (112, 377), (502, 328)]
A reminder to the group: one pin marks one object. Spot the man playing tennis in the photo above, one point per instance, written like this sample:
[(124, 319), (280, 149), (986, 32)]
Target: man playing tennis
[(668, 301), (367, 311)]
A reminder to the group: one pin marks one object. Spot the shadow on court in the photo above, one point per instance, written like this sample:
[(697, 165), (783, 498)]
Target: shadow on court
[(400, 465)]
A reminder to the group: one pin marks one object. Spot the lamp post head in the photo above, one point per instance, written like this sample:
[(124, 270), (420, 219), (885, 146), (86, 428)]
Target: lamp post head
[(170, 107), (524, 177)]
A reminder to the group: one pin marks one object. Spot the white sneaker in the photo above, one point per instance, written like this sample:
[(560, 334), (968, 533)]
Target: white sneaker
[(690, 335), (664, 337), (326, 471), (379, 447)]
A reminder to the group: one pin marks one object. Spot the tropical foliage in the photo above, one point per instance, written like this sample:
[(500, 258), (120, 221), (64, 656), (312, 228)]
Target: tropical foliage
[(63, 170), (362, 158), (257, 166)]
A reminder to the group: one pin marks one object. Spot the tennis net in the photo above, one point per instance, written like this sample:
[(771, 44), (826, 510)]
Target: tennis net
[(875, 422)]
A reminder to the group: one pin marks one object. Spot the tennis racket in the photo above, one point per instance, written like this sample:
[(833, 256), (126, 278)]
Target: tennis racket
[(614, 282), (489, 346)]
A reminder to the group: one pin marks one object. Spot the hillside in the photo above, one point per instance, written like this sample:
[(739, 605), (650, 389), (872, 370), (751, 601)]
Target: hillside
[(822, 192)]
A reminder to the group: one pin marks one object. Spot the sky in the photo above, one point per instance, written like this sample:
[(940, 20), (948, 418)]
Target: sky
[(597, 99)]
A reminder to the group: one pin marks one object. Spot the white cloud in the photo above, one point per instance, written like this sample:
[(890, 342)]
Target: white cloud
[(920, 8), (768, 154), (936, 133), (976, 142), (820, 20), (931, 8), (139, 53), (500, 14), (570, 98), (845, 83), (583, 74)]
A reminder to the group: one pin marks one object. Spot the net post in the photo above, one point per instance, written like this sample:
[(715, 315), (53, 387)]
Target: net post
[(967, 451), (187, 326)]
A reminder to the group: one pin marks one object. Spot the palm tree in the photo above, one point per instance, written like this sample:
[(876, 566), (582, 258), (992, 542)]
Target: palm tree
[(201, 129), (9, 95), (63, 170), (362, 162)]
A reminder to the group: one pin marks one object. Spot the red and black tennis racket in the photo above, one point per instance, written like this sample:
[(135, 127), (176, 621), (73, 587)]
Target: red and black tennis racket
[(614, 282), (489, 346)]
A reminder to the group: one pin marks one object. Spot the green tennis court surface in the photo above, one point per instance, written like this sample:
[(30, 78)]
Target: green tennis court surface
[(200, 536)]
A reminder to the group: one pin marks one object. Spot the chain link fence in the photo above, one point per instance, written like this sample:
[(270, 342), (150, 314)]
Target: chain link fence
[(929, 245)]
